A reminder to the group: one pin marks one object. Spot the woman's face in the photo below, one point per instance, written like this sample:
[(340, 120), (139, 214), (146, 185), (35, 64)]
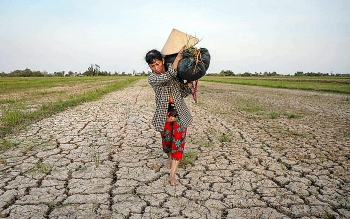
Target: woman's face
[(157, 66)]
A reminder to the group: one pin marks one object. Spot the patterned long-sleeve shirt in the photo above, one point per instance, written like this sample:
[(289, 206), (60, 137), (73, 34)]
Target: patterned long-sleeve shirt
[(163, 85)]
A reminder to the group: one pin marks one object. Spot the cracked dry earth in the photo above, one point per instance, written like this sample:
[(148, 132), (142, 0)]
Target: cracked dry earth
[(251, 152)]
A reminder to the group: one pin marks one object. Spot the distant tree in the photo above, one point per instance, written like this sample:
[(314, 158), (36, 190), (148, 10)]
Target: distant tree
[(103, 73), (226, 73), (58, 74), (16, 73), (246, 74), (37, 74), (70, 73), (93, 70), (97, 69), (26, 73), (45, 74)]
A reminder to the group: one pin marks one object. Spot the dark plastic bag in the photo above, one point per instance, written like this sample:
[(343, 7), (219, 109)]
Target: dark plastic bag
[(192, 66)]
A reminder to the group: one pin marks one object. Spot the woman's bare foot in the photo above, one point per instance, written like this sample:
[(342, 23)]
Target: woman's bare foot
[(173, 181), (168, 164)]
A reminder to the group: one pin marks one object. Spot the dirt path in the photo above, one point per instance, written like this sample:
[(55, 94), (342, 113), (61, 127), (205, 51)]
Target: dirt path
[(252, 152)]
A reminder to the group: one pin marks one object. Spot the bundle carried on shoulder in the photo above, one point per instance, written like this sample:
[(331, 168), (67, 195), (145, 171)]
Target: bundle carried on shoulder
[(195, 62)]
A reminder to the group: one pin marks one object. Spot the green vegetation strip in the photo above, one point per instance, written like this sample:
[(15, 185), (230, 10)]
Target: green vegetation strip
[(15, 119), (328, 86), (12, 84)]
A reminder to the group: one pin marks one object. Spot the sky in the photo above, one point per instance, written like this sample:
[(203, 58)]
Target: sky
[(248, 35)]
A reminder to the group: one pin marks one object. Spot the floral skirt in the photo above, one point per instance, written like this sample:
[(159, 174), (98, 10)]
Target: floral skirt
[(174, 134)]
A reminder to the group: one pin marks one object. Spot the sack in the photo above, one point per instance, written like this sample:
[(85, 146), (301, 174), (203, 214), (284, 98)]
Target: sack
[(194, 64)]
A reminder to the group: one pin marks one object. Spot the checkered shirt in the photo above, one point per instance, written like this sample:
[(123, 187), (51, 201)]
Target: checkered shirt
[(163, 85)]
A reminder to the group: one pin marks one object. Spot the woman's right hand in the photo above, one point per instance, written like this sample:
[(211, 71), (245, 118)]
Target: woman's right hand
[(189, 84)]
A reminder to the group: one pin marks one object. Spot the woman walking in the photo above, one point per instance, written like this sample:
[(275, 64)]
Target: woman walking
[(172, 117)]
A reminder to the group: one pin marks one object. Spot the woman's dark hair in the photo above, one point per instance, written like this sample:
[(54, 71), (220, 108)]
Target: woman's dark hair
[(152, 55)]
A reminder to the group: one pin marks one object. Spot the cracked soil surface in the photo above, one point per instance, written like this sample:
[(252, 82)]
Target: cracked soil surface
[(251, 152)]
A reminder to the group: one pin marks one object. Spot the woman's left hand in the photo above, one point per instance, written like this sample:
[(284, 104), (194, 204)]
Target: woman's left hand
[(179, 54), (178, 58)]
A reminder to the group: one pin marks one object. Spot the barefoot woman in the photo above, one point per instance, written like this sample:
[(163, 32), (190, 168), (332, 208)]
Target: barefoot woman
[(172, 116)]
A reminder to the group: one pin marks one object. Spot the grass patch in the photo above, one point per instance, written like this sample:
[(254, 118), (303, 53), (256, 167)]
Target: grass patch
[(8, 101), (316, 84), (200, 103), (224, 138), (302, 134), (13, 118), (207, 144), (251, 109), (292, 116), (251, 117), (273, 115), (346, 134), (291, 133), (43, 168), (5, 144), (96, 159), (188, 159), (40, 168), (25, 84)]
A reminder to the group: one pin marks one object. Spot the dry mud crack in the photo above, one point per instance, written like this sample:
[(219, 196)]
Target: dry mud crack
[(252, 152)]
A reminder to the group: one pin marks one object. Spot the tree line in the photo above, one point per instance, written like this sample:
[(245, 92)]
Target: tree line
[(92, 70), (249, 74), (95, 70)]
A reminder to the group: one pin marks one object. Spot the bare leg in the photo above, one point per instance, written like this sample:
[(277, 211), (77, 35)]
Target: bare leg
[(168, 163), (172, 179)]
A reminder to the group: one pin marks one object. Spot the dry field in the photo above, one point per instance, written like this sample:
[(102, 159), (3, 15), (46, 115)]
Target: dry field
[(27, 100), (15, 94), (252, 152)]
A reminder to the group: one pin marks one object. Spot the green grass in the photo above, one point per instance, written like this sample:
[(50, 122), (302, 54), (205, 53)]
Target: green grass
[(96, 159), (40, 168), (12, 117), (346, 134), (252, 117), (5, 144), (188, 158), (273, 115), (72, 92), (329, 85), (207, 144), (292, 116), (12, 84), (200, 103), (224, 138), (294, 133)]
